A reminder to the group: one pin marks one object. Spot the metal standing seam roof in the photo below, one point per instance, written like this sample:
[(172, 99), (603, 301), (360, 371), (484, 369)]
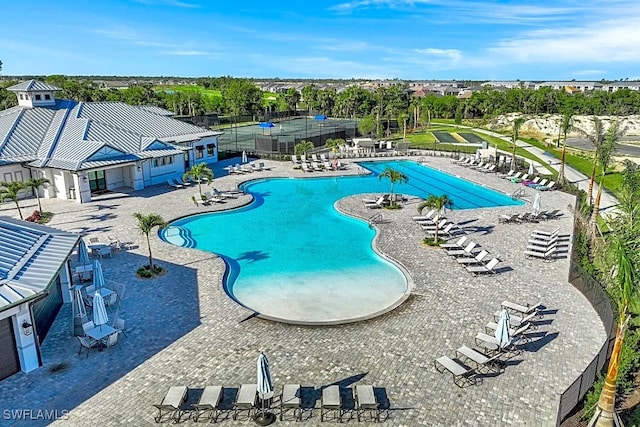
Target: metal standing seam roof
[(33, 86), (30, 258), (156, 110)]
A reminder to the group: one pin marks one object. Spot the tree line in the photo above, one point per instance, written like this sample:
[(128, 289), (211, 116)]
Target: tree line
[(385, 104)]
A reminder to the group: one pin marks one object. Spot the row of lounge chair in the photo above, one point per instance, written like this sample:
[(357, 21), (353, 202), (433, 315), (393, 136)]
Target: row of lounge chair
[(178, 183), (544, 244), (486, 356), (382, 201), (214, 196), (430, 221), (529, 217), (469, 254), (247, 168), (536, 183), (246, 401)]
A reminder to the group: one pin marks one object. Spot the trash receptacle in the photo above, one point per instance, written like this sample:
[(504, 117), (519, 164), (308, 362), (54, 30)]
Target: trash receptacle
[(72, 193)]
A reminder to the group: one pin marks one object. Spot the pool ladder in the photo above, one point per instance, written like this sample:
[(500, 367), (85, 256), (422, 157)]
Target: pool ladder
[(374, 218)]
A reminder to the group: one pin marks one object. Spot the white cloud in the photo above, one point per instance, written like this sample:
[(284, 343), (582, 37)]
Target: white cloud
[(589, 72), (453, 55)]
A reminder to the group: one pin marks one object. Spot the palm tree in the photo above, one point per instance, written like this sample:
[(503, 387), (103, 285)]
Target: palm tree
[(334, 145), (35, 184), (394, 176), (625, 251), (11, 191), (439, 203), (603, 152), (402, 119), (303, 147), (146, 223), (199, 173), (565, 127), (517, 124), (596, 139)]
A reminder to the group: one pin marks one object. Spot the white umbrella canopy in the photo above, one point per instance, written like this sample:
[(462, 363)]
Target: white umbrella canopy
[(502, 331), (100, 316), (78, 304), (83, 253), (98, 276), (244, 157), (265, 389), (531, 171), (536, 203)]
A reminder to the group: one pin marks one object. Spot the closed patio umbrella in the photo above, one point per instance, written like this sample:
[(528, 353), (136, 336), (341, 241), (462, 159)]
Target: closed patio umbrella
[(79, 311), (83, 253), (502, 331), (98, 277), (536, 203), (244, 157), (531, 171), (265, 390), (100, 316)]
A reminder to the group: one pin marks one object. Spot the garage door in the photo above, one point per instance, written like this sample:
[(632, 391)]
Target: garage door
[(46, 309), (9, 361)]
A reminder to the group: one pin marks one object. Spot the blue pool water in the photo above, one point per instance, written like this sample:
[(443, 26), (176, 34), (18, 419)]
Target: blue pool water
[(292, 256)]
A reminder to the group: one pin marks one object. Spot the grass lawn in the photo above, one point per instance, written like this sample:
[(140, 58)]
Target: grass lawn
[(211, 93)]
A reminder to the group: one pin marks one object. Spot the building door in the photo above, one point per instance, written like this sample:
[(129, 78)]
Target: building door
[(97, 181), (186, 161), (9, 360), (46, 310)]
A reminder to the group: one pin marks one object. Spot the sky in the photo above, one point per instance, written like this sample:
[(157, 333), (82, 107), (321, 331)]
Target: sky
[(342, 39)]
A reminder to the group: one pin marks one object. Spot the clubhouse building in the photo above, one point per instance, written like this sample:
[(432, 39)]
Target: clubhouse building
[(85, 148)]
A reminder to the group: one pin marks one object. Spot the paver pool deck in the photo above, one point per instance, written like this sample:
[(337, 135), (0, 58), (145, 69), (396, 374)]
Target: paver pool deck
[(184, 330)]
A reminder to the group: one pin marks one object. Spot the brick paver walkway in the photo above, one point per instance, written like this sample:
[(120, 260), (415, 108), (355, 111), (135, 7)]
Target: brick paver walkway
[(184, 330)]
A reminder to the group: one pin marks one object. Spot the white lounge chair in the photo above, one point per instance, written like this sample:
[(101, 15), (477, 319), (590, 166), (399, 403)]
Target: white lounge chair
[(459, 244), (375, 205), (462, 375), (467, 251), (173, 184), (519, 308), (507, 175), (431, 227), (426, 217), (550, 186), (447, 230), (507, 219), (480, 360), (208, 404), (478, 259), (485, 268), (518, 321), (549, 255)]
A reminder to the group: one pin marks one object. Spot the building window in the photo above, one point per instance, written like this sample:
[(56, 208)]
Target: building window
[(47, 97), (199, 152), (170, 160), (155, 163), (210, 149), (38, 97), (22, 96), (163, 161)]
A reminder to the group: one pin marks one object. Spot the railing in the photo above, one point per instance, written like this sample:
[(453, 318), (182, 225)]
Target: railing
[(601, 303)]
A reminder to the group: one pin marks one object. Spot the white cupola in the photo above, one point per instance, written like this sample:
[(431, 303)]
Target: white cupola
[(33, 93)]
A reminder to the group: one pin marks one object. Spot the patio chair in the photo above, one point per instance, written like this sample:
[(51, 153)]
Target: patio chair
[(467, 251), (246, 400), (459, 244), (543, 241), (87, 343), (87, 326), (515, 176), (462, 374), (255, 167), (507, 219), (517, 321), (305, 167), (473, 260), (170, 408), (210, 198), (317, 166), (208, 404), (111, 300), (523, 217), (331, 403), (431, 227), (519, 308), (480, 360), (490, 169), (111, 340), (264, 167), (490, 343), (546, 233), (554, 214), (366, 403), (484, 268), (448, 230), (550, 186), (103, 251), (118, 325), (536, 246), (507, 175), (290, 400)]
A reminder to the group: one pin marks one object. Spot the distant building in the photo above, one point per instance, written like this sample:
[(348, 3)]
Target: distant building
[(85, 148)]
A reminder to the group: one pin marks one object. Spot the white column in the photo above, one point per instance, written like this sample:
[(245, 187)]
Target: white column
[(65, 283), (27, 348), (48, 191), (137, 177), (83, 191)]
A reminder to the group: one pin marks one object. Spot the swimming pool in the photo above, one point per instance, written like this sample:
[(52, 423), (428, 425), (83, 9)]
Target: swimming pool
[(292, 256)]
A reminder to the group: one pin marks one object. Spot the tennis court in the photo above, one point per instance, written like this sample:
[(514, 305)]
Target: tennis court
[(284, 135)]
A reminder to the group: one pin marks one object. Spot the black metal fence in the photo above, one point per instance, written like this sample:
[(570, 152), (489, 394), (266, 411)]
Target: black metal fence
[(597, 296)]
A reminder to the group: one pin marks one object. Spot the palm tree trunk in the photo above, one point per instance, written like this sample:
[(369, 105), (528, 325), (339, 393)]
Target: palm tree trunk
[(38, 199), (561, 177), (513, 156), (150, 255), (18, 206), (200, 186), (591, 181), (404, 134), (604, 416), (596, 204)]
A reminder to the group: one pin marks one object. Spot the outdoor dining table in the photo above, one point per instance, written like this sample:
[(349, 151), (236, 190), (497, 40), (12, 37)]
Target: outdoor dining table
[(84, 272), (100, 332), (104, 293)]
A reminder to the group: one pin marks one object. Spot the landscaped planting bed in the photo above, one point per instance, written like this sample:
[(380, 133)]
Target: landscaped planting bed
[(471, 137), (445, 137)]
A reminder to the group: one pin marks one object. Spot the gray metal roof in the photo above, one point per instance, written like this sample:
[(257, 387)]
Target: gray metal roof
[(156, 110), (33, 85), (30, 258), (67, 134)]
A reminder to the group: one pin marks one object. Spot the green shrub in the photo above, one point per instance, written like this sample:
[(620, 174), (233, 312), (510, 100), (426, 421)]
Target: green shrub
[(144, 272), (430, 241), (592, 398)]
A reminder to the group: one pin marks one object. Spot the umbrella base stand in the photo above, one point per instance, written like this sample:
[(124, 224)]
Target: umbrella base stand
[(264, 418)]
